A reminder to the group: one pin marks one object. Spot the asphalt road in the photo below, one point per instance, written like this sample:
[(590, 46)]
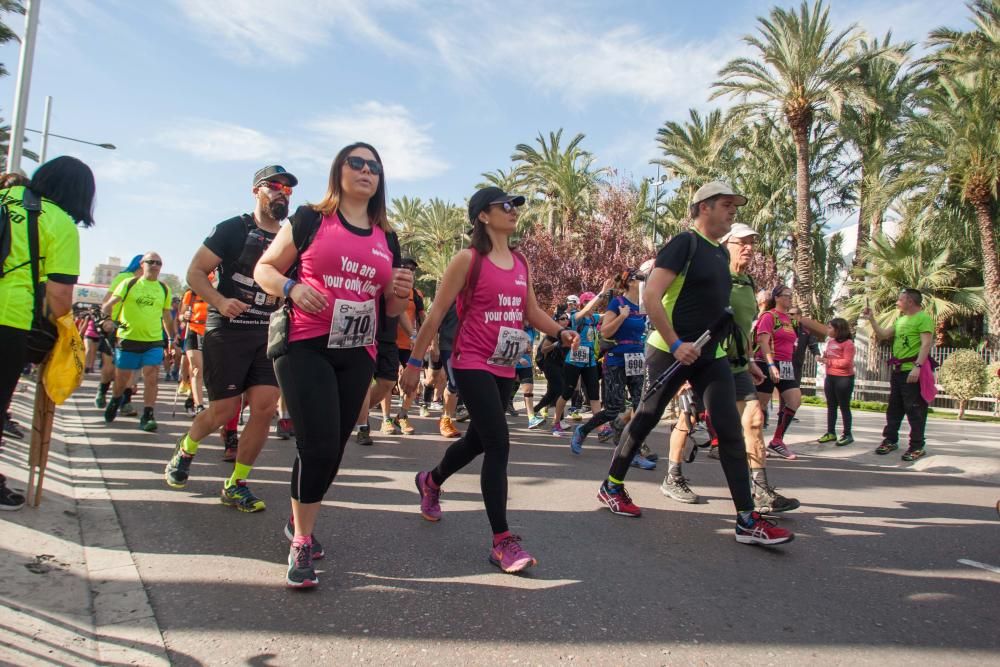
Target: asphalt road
[(872, 578)]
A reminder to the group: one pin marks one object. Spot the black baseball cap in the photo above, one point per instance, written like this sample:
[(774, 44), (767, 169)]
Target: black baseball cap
[(487, 196), (275, 172)]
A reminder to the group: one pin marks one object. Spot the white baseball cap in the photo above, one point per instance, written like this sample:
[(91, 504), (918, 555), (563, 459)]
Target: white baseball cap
[(572, 298), (739, 231), (715, 188)]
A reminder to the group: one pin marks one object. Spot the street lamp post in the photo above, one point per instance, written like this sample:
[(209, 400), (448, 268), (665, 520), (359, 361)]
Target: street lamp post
[(46, 134), (27, 56)]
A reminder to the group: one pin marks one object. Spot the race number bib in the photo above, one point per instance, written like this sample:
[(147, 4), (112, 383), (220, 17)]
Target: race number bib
[(635, 364), (785, 370), (511, 344), (353, 324), (580, 355)]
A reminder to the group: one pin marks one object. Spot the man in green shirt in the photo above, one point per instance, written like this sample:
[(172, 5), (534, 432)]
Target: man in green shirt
[(739, 242), (144, 314), (912, 336), (107, 343)]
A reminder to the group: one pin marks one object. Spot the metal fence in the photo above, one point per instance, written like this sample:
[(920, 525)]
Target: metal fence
[(871, 368)]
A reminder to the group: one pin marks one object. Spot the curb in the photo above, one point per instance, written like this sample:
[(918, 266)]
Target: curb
[(125, 628)]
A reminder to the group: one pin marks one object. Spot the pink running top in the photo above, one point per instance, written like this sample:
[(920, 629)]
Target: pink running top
[(783, 336), (491, 330), (351, 268)]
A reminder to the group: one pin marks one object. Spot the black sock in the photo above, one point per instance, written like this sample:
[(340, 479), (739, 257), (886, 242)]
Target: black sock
[(104, 387), (428, 394), (147, 412), (127, 396)]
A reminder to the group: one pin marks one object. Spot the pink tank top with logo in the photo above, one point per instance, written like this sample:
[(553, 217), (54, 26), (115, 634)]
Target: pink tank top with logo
[(491, 332), (351, 270)]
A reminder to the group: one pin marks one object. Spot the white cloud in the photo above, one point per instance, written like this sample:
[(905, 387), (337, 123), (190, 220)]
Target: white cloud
[(120, 170), (250, 31), (215, 141), (406, 147)]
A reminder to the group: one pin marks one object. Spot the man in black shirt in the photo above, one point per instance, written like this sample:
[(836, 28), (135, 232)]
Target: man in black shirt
[(235, 342), (686, 294)]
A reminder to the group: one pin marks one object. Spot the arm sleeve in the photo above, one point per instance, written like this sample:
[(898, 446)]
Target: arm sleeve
[(673, 256)]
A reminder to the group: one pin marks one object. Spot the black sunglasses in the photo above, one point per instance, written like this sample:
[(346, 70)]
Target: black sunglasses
[(506, 206), (153, 262), (358, 163)]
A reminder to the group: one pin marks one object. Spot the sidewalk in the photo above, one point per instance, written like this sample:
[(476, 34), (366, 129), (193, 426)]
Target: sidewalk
[(71, 593)]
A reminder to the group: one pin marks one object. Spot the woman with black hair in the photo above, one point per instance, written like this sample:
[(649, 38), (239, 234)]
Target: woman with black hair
[(64, 188), (352, 259), (495, 300), (838, 357)]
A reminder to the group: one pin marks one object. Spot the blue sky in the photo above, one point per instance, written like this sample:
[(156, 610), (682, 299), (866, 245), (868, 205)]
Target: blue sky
[(199, 94)]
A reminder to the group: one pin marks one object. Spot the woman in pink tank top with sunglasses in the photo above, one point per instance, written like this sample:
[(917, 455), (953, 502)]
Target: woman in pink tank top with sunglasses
[(494, 296)]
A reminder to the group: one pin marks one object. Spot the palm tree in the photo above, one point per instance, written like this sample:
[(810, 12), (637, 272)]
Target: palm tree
[(438, 235), (956, 143), (564, 180), (404, 214), (874, 132), (6, 34), (694, 151), (913, 261), (802, 69)]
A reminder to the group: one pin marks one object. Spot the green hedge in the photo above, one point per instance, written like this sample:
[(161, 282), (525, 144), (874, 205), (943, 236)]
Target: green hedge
[(869, 406)]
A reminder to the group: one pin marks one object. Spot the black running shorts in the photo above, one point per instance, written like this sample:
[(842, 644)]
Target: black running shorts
[(387, 362), (235, 361)]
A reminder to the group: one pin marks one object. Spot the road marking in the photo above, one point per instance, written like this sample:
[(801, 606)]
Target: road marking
[(981, 566)]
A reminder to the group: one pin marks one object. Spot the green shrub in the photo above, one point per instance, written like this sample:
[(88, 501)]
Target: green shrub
[(963, 375), (993, 384)]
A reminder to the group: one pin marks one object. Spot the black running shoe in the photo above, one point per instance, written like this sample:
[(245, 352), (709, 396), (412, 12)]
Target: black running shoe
[(767, 500), (111, 411), (13, 429), (10, 500)]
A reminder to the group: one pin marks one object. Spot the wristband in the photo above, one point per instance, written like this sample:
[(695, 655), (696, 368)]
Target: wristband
[(772, 365), (416, 363), (676, 344), (289, 284)]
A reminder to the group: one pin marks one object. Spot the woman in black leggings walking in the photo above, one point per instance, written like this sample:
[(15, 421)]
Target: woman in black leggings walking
[(496, 301), (353, 256)]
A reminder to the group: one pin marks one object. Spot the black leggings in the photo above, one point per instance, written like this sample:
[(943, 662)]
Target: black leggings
[(14, 344), (554, 384), (323, 391), (713, 379), (591, 381), (838, 391), (485, 397)]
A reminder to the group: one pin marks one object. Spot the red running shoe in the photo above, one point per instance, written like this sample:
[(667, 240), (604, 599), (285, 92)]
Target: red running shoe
[(761, 531), (618, 501)]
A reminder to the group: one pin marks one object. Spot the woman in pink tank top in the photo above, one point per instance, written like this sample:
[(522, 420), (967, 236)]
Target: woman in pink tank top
[(492, 285), (350, 262)]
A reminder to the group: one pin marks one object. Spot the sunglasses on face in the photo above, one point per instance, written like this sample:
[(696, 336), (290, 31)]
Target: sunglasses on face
[(152, 262), (274, 186), (358, 163), (506, 206)]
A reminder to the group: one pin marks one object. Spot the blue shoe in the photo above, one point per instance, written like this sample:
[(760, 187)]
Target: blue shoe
[(644, 463), (536, 421), (576, 444)]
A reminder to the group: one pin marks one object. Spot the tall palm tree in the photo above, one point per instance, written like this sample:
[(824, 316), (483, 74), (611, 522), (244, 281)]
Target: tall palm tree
[(874, 131), (439, 234), (802, 68), (565, 180), (404, 214), (956, 143), (6, 34)]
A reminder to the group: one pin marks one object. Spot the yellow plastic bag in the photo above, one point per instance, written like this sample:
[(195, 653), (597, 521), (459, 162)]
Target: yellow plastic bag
[(64, 368)]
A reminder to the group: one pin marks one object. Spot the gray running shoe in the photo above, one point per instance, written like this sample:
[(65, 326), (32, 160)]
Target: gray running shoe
[(128, 410), (364, 438), (678, 489), (300, 567), (768, 501), (178, 468)]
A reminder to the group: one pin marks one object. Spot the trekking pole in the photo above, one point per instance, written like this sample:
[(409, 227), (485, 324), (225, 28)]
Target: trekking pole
[(702, 340)]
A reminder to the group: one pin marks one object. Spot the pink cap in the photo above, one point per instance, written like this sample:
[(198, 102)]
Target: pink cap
[(587, 297)]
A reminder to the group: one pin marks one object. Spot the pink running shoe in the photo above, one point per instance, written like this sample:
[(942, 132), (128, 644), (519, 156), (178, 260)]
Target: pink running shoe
[(510, 557), (430, 505), (782, 450)]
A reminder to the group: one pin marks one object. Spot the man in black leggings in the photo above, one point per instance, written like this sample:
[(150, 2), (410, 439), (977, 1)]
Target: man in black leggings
[(687, 293)]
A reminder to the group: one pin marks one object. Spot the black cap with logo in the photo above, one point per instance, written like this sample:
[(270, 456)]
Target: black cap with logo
[(275, 172)]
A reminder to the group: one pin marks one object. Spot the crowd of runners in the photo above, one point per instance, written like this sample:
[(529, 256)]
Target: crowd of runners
[(305, 327)]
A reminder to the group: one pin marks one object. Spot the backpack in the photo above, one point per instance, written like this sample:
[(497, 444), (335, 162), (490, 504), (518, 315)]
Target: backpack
[(30, 203)]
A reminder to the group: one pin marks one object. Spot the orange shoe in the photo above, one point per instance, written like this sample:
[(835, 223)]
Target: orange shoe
[(447, 428)]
